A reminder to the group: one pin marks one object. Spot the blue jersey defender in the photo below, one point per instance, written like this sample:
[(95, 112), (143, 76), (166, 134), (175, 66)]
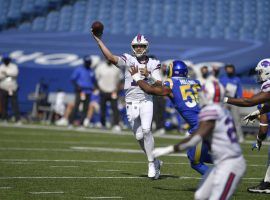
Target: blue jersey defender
[(183, 92)]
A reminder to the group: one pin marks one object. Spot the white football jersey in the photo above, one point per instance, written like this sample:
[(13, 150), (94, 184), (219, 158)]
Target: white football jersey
[(132, 90), (266, 86), (223, 141)]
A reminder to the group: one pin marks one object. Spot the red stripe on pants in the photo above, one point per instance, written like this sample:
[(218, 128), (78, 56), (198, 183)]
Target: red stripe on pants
[(227, 186)]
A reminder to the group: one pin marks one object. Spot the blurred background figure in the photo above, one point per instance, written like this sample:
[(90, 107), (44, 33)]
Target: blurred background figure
[(233, 88), (83, 79), (9, 88), (204, 74), (108, 80), (58, 107)]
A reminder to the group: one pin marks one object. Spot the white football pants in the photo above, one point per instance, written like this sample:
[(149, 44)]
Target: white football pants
[(140, 114), (222, 180)]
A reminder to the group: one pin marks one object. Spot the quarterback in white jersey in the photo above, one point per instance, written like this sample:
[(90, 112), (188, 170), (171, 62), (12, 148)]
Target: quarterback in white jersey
[(138, 103), (217, 129)]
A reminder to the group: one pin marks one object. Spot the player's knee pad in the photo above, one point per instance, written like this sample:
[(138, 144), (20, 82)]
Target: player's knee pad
[(139, 136), (146, 131)]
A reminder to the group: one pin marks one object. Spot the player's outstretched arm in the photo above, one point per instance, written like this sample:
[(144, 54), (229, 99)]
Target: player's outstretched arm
[(150, 89), (205, 128), (259, 98), (106, 52)]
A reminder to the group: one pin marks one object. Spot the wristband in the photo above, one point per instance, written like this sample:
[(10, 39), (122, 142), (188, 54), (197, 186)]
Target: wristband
[(261, 124), (225, 100), (136, 77)]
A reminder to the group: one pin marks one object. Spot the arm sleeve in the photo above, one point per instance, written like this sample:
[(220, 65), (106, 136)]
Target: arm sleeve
[(208, 114), (191, 143), (156, 72), (74, 75), (239, 92), (122, 61)]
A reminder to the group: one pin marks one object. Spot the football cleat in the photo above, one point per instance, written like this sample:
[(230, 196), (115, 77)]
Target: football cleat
[(263, 187), (158, 164)]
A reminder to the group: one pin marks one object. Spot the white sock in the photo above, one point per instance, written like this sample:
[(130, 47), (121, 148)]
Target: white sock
[(267, 175), (149, 146)]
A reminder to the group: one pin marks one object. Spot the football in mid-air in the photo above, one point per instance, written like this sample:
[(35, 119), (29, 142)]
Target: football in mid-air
[(97, 28)]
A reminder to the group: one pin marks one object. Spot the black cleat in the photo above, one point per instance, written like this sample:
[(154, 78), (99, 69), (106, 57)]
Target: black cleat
[(263, 187)]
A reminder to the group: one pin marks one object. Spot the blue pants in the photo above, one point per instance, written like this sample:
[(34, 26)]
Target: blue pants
[(198, 156)]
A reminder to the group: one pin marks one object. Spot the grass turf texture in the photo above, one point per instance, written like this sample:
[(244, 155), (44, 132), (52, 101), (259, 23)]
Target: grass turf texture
[(33, 161)]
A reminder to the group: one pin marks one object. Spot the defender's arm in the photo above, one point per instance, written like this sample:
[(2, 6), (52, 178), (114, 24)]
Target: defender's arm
[(261, 97)]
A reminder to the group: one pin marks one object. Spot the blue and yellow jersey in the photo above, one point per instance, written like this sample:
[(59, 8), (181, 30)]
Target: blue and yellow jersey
[(185, 98)]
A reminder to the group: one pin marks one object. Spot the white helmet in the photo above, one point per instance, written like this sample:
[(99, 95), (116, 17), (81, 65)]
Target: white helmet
[(212, 92), (139, 40), (263, 70)]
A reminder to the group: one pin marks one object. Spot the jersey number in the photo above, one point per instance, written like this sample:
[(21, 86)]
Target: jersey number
[(231, 132), (190, 95)]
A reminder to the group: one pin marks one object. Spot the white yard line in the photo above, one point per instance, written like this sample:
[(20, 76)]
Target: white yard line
[(7, 161), (93, 130), (97, 149), (59, 192), (5, 188), (63, 142), (103, 197), (64, 166), (102, 177), (109, 170)]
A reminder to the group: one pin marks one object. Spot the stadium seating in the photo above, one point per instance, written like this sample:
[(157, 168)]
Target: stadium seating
[(228, 19)]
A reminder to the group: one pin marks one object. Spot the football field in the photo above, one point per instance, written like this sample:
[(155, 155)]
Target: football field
[(39, 162)]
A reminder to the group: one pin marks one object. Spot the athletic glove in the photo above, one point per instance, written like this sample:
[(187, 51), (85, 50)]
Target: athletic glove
[(251, 117)]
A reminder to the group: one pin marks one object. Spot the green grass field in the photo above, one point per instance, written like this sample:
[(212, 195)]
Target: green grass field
[(45, 163)]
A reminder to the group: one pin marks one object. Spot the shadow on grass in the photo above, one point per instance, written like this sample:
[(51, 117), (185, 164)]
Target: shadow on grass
[(176, 189)]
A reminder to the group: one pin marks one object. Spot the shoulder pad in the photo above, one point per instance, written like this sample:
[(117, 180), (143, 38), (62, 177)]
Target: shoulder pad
[(266, 86)]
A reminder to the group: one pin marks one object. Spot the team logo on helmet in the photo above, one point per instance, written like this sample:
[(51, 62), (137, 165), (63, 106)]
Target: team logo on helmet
[(265, 63)]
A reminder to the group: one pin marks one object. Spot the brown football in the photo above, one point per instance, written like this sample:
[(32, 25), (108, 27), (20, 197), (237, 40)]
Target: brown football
[(97, 28)]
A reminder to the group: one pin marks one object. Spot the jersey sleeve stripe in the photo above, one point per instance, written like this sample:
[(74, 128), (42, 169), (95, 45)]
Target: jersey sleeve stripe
[(158, 67), (208, 117), (124, 58)]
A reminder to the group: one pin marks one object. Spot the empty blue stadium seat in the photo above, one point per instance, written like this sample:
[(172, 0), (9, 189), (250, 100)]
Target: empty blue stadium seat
[(26, 26), (52, 21), (39, 24), (231, 33), (217, 32), (229, 19)]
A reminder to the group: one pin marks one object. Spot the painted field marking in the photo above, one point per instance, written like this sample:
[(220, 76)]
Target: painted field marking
[(102, 177), (93, 130), (109, 170), (68, 142), (7, 161), (103, 197), (59, 192), (67, 166), (5, 188)]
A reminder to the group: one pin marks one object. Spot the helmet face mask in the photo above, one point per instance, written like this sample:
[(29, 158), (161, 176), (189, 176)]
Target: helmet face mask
[(263, 70), (139, 45)]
